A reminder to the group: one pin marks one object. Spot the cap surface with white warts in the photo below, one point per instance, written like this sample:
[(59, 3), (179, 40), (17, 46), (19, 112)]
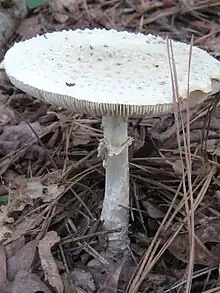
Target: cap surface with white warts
[(101, 72)]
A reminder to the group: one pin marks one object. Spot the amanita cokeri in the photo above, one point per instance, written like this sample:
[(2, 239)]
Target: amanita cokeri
[(115, 75)]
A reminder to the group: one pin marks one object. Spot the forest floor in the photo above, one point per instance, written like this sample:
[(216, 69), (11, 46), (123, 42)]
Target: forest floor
[(52, 184)]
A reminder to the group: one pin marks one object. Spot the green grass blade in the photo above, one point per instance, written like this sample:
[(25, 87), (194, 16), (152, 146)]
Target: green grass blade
[(31, 4)]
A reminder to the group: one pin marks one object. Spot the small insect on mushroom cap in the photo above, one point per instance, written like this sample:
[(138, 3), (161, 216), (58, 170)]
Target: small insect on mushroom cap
[(103, 71)]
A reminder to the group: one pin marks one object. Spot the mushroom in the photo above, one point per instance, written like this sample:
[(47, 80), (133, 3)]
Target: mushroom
[(115, 75)]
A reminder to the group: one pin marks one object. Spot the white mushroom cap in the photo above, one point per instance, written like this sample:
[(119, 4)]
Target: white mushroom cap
[(103, 72)]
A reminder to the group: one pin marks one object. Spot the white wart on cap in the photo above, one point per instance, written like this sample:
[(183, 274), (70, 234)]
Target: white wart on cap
[(102, 72), (114, 75)]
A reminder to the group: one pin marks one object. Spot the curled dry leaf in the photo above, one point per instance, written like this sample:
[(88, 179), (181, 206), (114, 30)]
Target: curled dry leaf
[(48, 263), (5, 221), (25, 226), (23, 191), (19, 193), (5, 232), (26, 282)]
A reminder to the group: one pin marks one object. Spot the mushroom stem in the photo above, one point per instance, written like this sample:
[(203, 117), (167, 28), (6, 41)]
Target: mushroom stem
[(115, 212)]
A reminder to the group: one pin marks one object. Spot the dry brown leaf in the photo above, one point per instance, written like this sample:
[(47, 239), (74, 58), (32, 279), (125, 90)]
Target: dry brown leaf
[(5, 233), (23, 191), (26, 282), (16, 136), (19, 192), (153, 211), (48, 263), (81, 136), (111, 284), (25, 226), (78, 278), (7, 116), (5, 221), (12, 247), (52, 192), (30, 27), (213, 44), (177, 167), (208, 231), (180, 249), (60, 8), (3, 268), (22, 260), (70, 5), (32, 188), (21, 132), (107, 276)]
